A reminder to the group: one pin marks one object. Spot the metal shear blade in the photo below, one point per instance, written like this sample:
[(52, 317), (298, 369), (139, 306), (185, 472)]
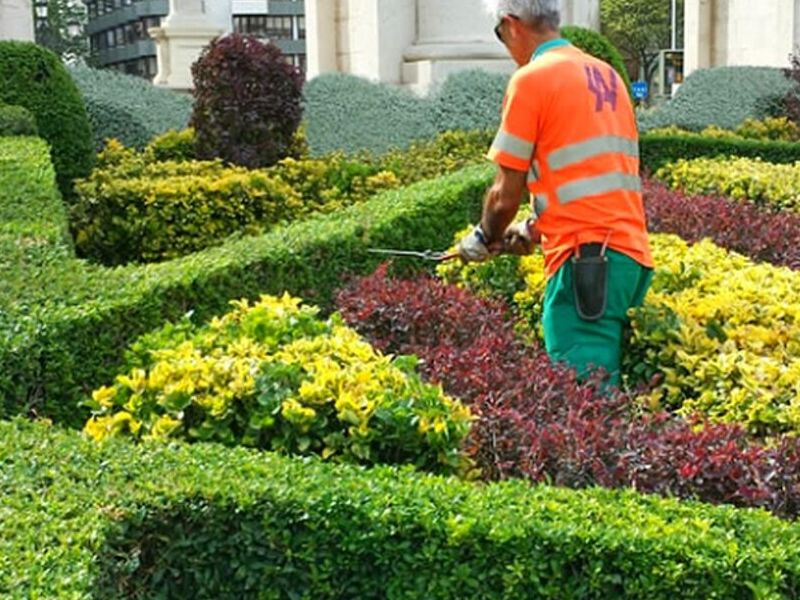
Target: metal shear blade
[(424, 254)]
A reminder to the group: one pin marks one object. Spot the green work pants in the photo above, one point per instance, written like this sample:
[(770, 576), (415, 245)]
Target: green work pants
[(585, 345)]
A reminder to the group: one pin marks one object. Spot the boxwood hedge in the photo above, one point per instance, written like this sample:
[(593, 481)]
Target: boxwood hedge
[(63, 336), (201, 521)]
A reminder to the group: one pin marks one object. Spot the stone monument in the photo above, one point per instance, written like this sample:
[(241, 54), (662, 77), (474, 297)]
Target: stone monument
[(179, 40)]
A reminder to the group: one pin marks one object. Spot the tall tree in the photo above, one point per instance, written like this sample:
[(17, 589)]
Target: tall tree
[(61, 27), (640, 28)]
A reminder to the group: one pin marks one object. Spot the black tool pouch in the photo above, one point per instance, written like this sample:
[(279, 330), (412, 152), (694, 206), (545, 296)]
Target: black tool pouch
[(590, 282)]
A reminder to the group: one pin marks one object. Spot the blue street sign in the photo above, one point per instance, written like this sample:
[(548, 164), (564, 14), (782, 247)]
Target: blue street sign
[(639, 89)]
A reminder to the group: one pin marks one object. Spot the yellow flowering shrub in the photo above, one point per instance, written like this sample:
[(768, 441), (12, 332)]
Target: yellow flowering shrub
[(768, 129), (774, 185), (723, 332), (274, 375)]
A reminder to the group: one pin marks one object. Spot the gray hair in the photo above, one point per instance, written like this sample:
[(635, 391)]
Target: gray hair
[(535, 12)]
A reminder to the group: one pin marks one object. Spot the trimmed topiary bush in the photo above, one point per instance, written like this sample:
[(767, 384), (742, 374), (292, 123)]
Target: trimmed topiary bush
[(470, 100), (247, 102), (722, 96), (16, 120), (34, 78), (173, 145), (129, 108), (351, 114), (599, 46)]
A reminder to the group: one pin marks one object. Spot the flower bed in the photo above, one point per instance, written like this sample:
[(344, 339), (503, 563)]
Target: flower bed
[(534, 420)]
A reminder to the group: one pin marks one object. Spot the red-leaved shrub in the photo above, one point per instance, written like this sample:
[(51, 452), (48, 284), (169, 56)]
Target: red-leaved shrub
[(536, 420), (247, 102), (743, 227)]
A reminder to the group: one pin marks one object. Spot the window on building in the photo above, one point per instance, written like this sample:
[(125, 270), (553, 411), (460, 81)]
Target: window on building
[(301, 28), (264, 26)]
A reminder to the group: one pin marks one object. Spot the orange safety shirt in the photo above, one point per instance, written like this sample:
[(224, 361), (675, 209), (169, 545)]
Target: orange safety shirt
[(568, 121)]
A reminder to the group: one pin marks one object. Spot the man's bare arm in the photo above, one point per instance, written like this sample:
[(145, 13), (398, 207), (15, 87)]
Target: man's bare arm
[(502, 202)]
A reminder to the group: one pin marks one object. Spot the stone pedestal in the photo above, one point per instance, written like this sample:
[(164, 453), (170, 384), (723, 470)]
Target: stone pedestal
[(179, 42), (16, 20)]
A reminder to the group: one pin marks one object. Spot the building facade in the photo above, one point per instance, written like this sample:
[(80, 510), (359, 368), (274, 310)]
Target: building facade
[(740, 32), (16, 20), (120, 30)]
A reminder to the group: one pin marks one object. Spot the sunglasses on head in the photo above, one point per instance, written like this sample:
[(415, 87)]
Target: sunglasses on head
[(497, 28)]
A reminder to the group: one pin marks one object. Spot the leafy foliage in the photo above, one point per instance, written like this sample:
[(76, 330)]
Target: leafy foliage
[(660, 149), (128, 108), (16, 120), (247, 102), (536, 421), (743, 227), (178, 520), (34, 78), (66, 334), (273, 375), (771, 185), (721, 96), (639, 28), (63, 30)]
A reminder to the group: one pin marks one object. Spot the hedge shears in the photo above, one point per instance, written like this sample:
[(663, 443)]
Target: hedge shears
[(423, 254)]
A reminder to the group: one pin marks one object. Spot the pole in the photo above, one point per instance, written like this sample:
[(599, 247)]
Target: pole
[(674, 27)]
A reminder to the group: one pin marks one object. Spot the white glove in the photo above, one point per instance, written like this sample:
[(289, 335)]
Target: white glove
[(519, 238), (473, 248)]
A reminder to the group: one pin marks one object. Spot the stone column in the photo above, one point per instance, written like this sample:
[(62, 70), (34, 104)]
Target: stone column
[(16, 20), (321, 38), (698, 35), (179, 41)]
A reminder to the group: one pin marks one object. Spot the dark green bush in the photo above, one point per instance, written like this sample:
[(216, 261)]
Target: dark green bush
[(16, 120), (69, 335), (722, 96), (598, 45), (34, 78), (657, 150), (247, 103), (178, 521), (129, 108)]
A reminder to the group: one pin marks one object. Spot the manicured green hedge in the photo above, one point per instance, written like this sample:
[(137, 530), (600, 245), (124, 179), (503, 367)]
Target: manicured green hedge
[(658, 150), (722, 96), (33, 77), (178, 521), (34, 236), (16, 120), (71, 338), (129, 108)]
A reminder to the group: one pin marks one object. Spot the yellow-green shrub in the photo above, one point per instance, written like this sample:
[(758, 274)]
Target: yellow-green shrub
[(146, 218), (722, 331), (137, 208), (273, 375), (773, 185), (172, 145), (768, 129)]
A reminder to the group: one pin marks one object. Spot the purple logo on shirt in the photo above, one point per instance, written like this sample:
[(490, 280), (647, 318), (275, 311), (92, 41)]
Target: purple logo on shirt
[(604, 92)]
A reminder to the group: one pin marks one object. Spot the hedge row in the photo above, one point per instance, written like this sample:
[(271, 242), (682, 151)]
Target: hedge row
[(58, 348), (657, 150), (178, 521), (34, 237)]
